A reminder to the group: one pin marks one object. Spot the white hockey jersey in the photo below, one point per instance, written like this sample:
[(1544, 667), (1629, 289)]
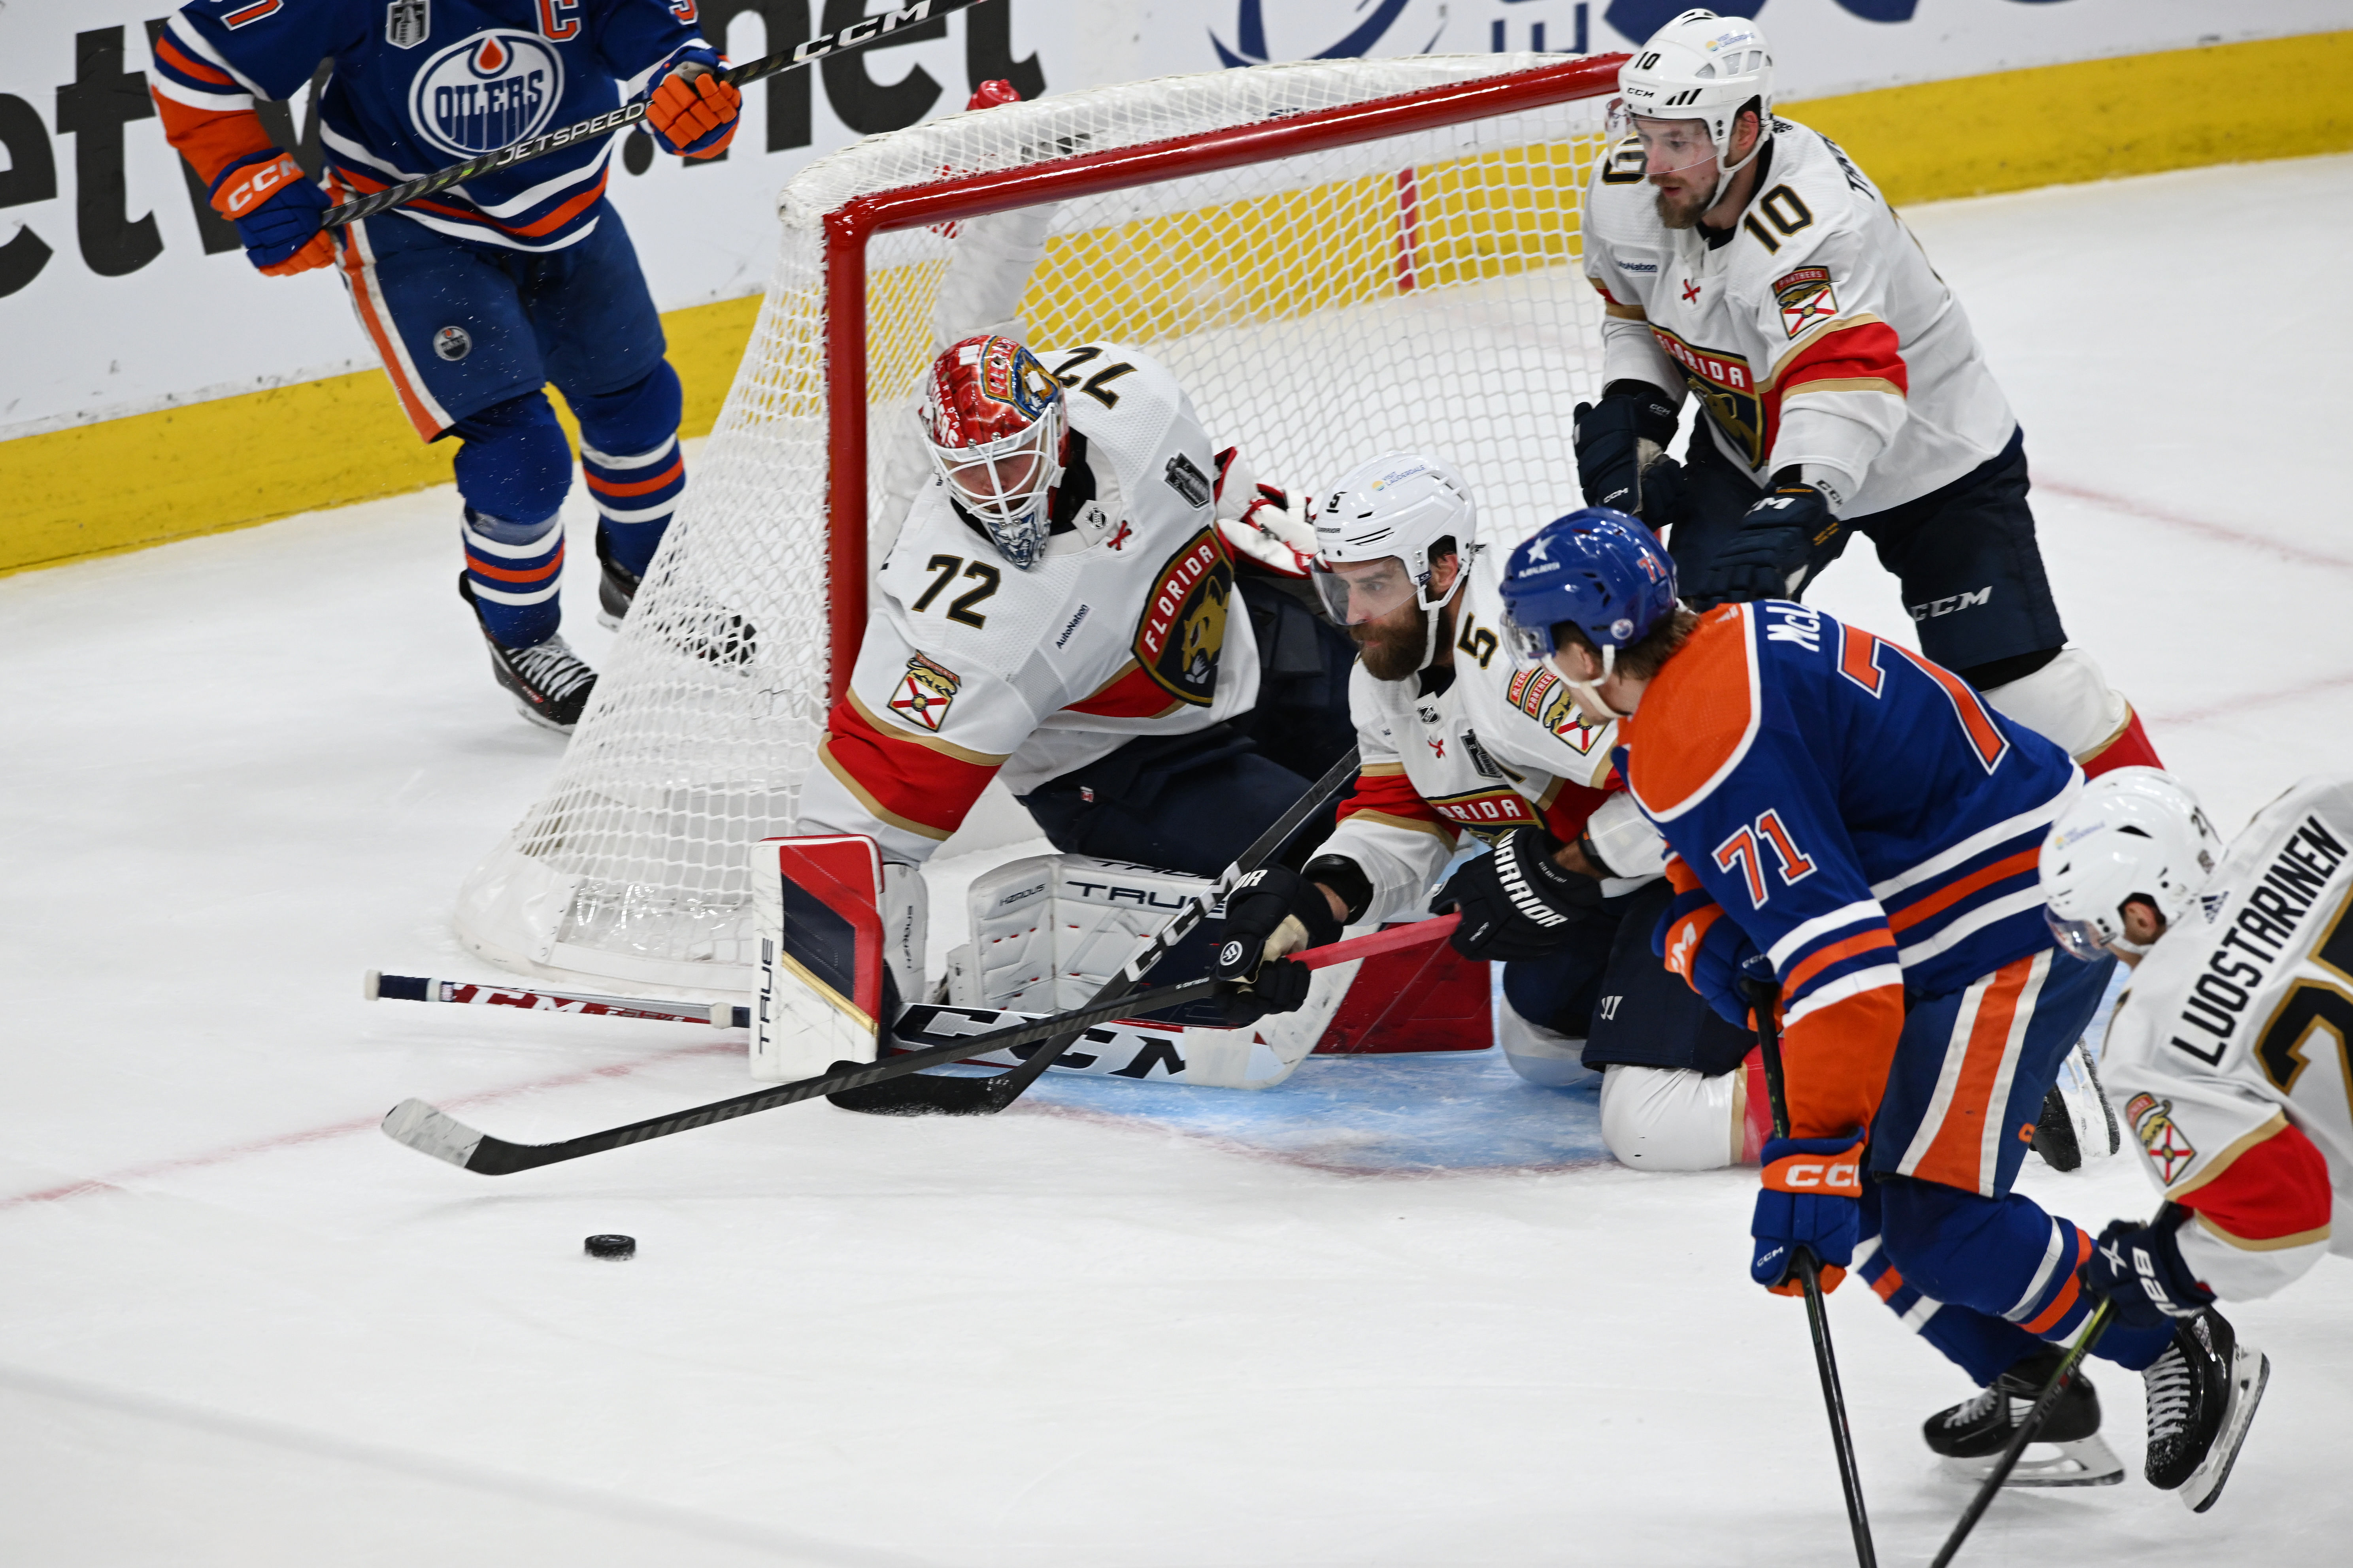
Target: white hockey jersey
[(971, 667), (1816, 334), (1501, 746), (2235, 1030)]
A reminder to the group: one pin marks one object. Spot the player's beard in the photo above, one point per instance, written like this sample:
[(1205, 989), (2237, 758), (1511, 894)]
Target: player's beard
[(1392, 651), (1680, 210)]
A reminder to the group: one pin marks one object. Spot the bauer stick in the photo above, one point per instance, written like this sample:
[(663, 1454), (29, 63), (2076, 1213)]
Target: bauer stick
[(1763, 994), (2096, 1325), (987, 1096), (857, 36), (443, 1136)]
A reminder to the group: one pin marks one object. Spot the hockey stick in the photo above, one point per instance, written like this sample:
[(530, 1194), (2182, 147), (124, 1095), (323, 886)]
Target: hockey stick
[(379, 987), (987, 1096), (1762, 995), (2044, 1403), (857, 36), (443, 1136)]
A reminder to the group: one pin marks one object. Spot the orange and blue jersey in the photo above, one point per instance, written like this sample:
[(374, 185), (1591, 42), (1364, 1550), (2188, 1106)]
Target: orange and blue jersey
[(421, 87), (1861, 814)]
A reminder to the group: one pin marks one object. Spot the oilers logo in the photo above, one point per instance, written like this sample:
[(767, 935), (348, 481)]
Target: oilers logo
[(1321, 30), (494, 88)]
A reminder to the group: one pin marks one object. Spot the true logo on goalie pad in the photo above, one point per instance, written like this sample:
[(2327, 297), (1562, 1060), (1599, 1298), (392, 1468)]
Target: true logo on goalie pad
[(925, 693), (1184, 627), (1805, 298)]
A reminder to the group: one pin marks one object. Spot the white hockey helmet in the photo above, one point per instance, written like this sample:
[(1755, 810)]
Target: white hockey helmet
[(1698, 67), (1376, 533), (2133, 833)]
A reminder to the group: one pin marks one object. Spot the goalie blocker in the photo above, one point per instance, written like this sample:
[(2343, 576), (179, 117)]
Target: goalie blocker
[(842, 945)]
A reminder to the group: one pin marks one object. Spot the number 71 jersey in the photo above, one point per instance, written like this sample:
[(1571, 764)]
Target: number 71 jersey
[(1123, 626)]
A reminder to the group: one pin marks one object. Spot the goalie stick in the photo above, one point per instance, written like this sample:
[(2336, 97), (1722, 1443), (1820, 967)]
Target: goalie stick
[(939, 1096), (858, 34), (378, 986), (436, 1132), (1763, 994)]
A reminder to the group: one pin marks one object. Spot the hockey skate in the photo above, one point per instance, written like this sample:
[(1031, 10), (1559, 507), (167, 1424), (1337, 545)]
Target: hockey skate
[(2202, 1394), (547, 681), (2068, 1451), (712, 634)]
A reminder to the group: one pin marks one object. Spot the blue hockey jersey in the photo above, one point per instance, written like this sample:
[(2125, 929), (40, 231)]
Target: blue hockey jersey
[(1863, 816), (419, 85)]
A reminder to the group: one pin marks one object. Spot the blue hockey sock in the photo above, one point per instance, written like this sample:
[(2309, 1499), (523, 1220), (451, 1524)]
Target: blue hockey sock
[(515, 570), (628, 451)]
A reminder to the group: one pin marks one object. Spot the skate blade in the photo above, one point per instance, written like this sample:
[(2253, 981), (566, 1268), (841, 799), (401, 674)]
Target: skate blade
[(2086, 1462), (2251, 1369)]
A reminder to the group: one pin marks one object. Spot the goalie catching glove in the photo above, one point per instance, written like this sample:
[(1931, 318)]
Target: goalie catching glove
[(692, 111), (1517, 901), (1270, 912)]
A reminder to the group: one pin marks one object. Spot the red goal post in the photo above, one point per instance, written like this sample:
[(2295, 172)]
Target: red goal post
[(848, 227)]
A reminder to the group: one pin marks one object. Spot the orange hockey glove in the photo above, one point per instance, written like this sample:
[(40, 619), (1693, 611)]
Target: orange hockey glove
[(692, 111)]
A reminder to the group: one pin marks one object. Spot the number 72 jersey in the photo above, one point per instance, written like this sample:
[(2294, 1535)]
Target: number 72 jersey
[(1123, 626), (2234, 1040)]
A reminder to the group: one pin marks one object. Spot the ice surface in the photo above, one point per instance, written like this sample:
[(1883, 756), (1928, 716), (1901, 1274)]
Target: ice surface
[(239, 1327)]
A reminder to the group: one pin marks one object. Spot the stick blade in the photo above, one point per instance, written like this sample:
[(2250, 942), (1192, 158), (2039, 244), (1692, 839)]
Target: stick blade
[(430, 1131), (923, 1094)]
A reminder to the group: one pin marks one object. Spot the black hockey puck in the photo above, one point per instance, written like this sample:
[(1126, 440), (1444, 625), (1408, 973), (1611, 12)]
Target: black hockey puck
[(612, 1246)]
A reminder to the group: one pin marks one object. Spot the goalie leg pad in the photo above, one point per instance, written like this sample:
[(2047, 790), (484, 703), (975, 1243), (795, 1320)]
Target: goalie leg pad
[(822, 990)]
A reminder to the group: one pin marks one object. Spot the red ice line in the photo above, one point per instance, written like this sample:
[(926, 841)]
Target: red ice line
[(2214, 530), (342, 1128)]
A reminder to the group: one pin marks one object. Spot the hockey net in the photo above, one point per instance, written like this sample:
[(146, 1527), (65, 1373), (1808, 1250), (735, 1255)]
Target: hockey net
[(1334, 258)]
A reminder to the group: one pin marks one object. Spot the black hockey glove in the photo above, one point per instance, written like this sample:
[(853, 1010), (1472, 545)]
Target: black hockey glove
[(1516, 902), (1773, 552), (1608, 437), (2139, 1269), (1271, 911)]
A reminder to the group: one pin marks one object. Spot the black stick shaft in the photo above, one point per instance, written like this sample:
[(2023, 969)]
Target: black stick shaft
[(1988, 1489), (858, 34), (1818, 1322)]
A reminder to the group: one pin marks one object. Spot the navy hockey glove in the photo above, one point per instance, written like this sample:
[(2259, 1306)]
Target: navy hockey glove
[(276, 209), (1703, 944), (1271, 911), (1773, 552), (1517, 901), (1810, 1200), (1608, 437), (2140, 1270)]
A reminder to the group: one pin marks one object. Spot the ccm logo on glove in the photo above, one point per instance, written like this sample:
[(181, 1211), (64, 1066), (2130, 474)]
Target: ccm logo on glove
[(259, 183)]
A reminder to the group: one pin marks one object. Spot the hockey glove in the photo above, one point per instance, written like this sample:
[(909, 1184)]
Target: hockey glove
[(1271, 911), (692, 111), (1810, 1200), (1280, 986), (2139, 1269), (276, 209), (1773, 552), (1517, 901), (1702, 943), (1618, 460)]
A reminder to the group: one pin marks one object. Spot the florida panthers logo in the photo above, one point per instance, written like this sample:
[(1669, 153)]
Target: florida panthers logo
[(1184, 626), (494, 88)]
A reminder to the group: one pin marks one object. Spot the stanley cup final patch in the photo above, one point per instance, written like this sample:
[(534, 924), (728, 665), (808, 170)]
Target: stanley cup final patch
[(925, 693), (1805, 298), (1183, 628)]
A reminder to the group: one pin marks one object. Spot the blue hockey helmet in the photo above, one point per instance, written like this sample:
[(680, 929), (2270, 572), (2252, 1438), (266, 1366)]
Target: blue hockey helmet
[(1598, 568)]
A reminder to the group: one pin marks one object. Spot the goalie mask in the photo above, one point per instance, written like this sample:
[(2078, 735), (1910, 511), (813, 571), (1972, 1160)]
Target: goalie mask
[(996, 426), (1378, 535), (2133, 833), (1681, 94)]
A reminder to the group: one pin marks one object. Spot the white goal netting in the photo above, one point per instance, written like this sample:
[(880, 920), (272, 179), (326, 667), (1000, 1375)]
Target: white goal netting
[(1417, 289)]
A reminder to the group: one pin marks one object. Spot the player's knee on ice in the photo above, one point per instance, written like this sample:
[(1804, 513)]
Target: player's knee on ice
[(1677, 1119)]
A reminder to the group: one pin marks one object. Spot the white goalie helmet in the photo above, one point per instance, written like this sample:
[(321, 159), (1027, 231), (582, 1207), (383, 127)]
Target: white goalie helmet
[(1699, 67), (2133, 833), (1376, 532)]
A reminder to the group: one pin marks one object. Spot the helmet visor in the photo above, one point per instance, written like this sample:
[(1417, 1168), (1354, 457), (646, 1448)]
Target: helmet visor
[(2077, 939), (1669, 146), (1356, 592)]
